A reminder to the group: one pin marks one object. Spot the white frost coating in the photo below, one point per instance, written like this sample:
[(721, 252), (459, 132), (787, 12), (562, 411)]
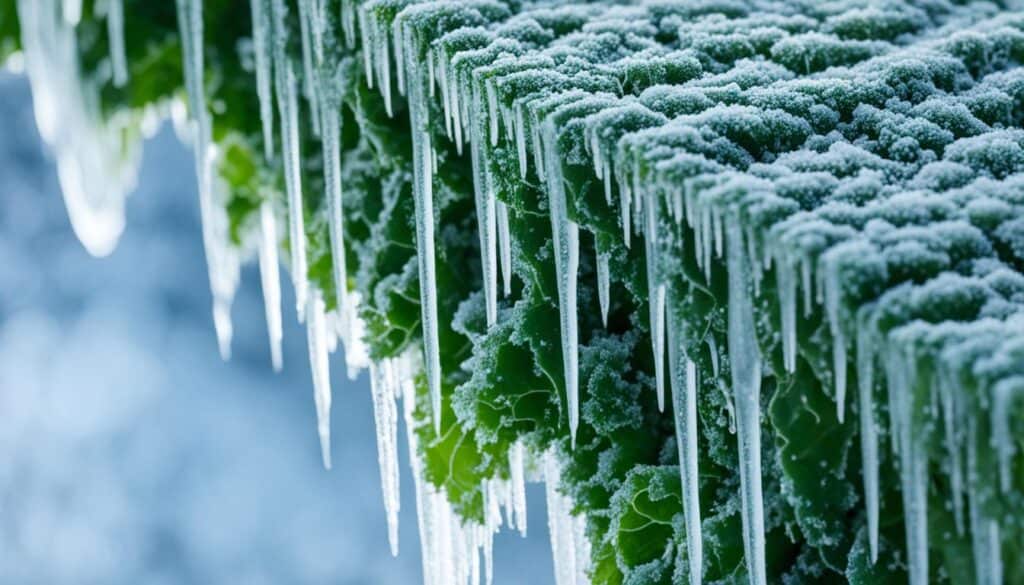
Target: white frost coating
[(263, 49), (385, 384), (684, 405), (316, 332), (565, 238), (746, 383), (115, 34), (96, 159), (517, 480), (504, 247), (330, 135), (288, 103), (603, 284), (271, 282), (423, 194), (222, 261), (868, 426), (656, 290)]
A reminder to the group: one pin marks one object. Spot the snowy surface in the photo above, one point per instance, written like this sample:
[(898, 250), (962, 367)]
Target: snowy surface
[(131, 453)]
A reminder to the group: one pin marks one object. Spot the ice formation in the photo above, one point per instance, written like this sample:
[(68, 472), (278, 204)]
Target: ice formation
[(808, 213)]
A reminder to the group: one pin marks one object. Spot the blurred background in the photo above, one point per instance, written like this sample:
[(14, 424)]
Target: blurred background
[(130, 453)]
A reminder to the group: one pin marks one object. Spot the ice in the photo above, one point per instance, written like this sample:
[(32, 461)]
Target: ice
[(985, 539), (833, 299), (331, 139), (316, 332), (485, 204), (603, 284), (656, 289), (263, 49), (746, 382), (288, 103), (868, 425), (561, 527), (684, 405), (223, 263), (72, 10), (115, 33), (385, 385), (565, 240), (423, 185), (271, 281), (787, 284), (901, 375), (95, 159), (517, 479), (504, 247)]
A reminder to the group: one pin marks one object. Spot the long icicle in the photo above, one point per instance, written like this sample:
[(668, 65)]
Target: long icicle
[(264, 56), (330, 134), (485, 201), (746, 382), (656, 290), (271, 281), (684, 404), (423, 194), (868, 426), (383, 386), (316, 331), (566, 243)]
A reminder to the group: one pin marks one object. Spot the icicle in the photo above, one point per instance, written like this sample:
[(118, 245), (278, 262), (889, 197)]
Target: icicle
[(492, 110), (913, 462), (949, 398), (95, 159), (656, 288), (263, 50), (805, 284), (288, 102), (684, 405), (868, 426), (115, 33), (1002, 395), (746, 380), (517, 479), (521, 140), (425, 515), (485, 204), (72, 10), (271, 280), (384, 386), (786, 283), (221, 260), (565, 240), (985, 539), (316, 332), (423, 195), (382, 50), (833, 303), (308, 66), (504, 247), (331, 138), (560, 524), (603, 284)]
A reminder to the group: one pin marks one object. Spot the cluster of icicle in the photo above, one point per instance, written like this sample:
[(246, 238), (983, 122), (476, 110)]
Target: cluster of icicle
[(97, 171)]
